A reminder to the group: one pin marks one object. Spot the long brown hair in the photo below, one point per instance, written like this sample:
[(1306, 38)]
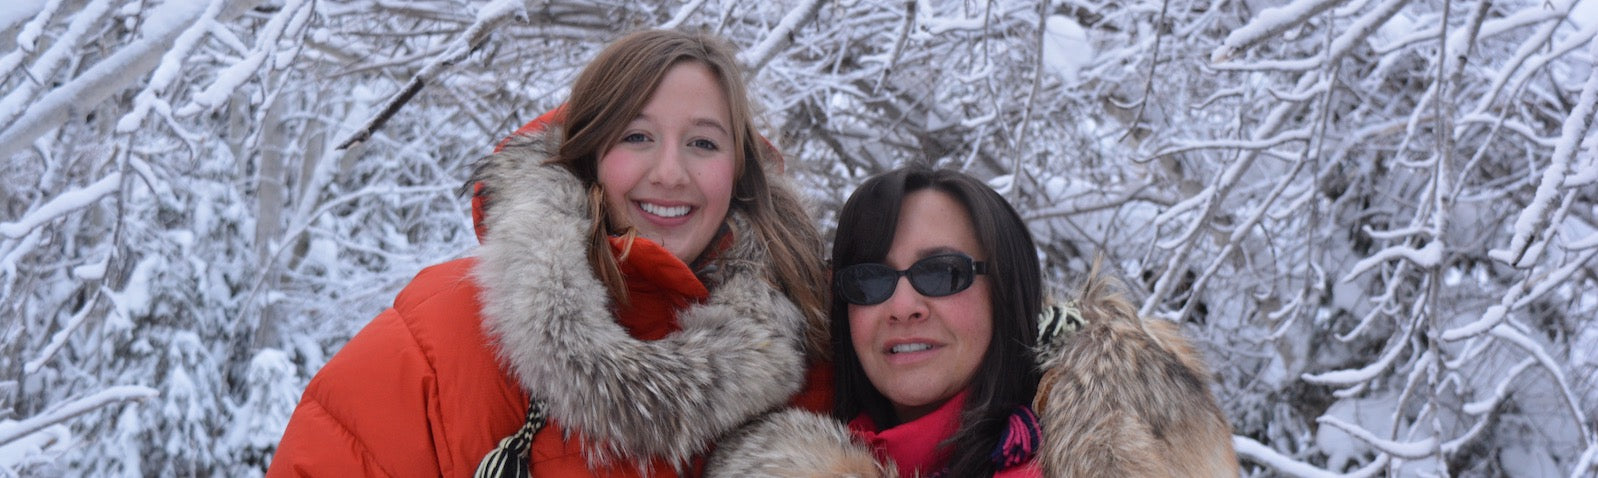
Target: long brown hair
[(615, 87)]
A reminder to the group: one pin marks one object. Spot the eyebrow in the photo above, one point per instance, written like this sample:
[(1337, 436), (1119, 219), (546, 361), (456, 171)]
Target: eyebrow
[(710, 123), (701, 122)]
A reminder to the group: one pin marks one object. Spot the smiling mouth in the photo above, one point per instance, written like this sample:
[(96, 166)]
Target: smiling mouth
[(907, 348), (665, 211)]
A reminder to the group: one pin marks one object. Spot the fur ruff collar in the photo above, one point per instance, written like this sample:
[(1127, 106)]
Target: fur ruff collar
[(737, 355)]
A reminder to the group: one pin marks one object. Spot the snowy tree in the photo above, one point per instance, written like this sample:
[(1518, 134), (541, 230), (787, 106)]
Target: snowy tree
[(1377, 216)]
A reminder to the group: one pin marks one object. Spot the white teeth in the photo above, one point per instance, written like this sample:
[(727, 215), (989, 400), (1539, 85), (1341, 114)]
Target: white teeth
[(664, 211), (904, 348)]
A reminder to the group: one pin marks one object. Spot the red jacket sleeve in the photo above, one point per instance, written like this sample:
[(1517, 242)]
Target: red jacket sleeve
[(367, 412)]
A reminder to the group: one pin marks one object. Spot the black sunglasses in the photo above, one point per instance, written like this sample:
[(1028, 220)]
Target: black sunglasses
[(935, 276)]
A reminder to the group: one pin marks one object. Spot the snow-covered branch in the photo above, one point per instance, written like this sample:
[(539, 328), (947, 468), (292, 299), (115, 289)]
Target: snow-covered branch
[(756, 57), (111, 74), (489, 18), (67, 411), (62, 204), (1535, 217)]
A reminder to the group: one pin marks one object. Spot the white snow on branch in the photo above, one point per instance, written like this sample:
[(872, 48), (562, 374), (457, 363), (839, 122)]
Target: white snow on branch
[(61, 205), (28, 38), (1509, 334), (60, 338), (1428, 255), (171, 65), (488, 19), (8, 260), (682, 14), (1409, 450), (74, 408), (1501, 392), (1342, 45), (16, 10), (1257, 452), (110, 75), (234, 76), (1362, 375), (1533, 220), (756, 56), (1489, 319), (46, 67), (1587, 463), (1268, 23), (1296, 135)]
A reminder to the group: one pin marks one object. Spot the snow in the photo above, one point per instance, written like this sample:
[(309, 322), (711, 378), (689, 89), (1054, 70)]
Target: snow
[(1394, 31), (1360, 375), (272, 381), (1342, 448), (230, 79), (37, 423), (682, 14), (28, 38), (1587, 463), (15, 11), (52, 59), (37, 447), (62, 204), (100, 81), (134, 298), (1535, 217), (1254, 451), (1429, 255), (1066, 49), (756, 56), (1268, 21), (171, 64), (91, 271), (1412, 449)]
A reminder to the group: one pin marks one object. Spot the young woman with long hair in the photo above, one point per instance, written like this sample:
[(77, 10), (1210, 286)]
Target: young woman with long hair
[(646, 283)]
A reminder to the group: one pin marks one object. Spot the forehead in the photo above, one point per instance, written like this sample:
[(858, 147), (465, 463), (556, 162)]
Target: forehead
[(691, 82), (932, 222)]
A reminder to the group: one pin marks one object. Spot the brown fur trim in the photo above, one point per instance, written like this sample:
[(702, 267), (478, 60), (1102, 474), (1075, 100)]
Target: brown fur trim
[(794, 444), (1125, 396)]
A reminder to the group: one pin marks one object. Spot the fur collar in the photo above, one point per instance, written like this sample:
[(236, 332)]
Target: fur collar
[(737, 355)]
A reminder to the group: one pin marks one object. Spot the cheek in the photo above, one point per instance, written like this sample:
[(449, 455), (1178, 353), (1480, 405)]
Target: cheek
[(860, 330), (716, 178), (976, 317), (615, 168), (618, 172)]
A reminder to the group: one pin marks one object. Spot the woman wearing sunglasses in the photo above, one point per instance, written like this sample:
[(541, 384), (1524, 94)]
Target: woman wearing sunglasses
[(939, 360), (946, 355), (937, 290)]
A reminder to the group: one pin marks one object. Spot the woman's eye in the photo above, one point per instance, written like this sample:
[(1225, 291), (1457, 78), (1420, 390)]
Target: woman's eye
[(704, 144), (634, 138)]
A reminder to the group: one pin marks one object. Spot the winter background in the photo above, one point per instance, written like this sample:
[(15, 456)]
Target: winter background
[(1377, 217)]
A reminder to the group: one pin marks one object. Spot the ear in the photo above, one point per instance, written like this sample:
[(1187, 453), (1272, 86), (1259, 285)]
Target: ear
[(778, 163)]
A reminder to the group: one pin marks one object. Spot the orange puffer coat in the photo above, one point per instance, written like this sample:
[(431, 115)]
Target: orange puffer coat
[(433, 384)]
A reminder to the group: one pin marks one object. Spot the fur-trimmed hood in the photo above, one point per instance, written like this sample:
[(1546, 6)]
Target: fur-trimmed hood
[(736, 356)]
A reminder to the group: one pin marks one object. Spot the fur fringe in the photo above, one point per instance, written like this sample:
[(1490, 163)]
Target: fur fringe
[(1133, 398), (795, 444)]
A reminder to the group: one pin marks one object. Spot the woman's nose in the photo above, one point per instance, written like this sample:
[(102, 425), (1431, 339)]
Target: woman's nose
[(906, 303), (669, 169)]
